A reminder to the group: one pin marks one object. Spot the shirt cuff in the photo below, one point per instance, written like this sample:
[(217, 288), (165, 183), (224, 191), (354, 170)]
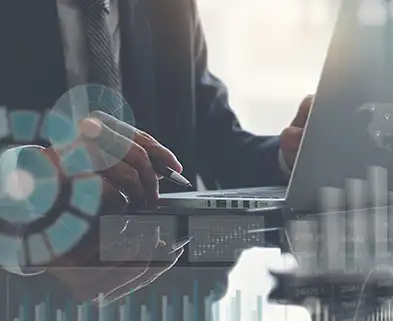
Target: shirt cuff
[(283, 164), (10, 246)]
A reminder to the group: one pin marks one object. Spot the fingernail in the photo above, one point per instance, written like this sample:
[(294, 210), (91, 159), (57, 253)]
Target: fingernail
[(90, 127)]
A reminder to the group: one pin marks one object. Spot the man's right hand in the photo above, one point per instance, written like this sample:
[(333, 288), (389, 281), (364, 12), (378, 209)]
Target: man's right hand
[(120, 156), (127, 166)]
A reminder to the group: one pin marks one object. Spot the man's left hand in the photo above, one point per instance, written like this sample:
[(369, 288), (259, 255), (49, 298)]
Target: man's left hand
[(291, 136)]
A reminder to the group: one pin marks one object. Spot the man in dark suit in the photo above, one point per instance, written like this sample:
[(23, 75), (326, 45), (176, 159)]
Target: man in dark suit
[(154, 53)]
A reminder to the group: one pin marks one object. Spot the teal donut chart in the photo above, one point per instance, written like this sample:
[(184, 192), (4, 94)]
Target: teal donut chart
[(49, 230)]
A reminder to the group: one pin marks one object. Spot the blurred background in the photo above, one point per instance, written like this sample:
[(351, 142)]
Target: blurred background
[(270, 54)]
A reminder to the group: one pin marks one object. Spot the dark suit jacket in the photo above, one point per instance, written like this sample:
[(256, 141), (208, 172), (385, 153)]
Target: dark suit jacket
[(165, 80)]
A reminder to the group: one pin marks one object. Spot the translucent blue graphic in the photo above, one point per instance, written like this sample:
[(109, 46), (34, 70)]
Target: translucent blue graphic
[(59, 129), (14, 209), (37, 249), (76, 161), (23, 125), (9, 247), (80, 101), (46, 189), (86, 194), (77, 104), (66, 232)]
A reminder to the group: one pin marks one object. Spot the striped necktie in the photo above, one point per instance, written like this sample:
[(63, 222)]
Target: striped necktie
[(103, 70)]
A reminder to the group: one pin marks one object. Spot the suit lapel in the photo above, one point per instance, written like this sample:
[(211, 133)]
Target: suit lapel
[(53, 53), (31, 61), (138, 67)]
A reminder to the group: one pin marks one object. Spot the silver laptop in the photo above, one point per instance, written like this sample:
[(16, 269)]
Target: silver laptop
[(350, 127)]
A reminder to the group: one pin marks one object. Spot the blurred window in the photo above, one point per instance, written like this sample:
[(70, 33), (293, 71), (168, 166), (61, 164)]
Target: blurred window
[(269, 53)]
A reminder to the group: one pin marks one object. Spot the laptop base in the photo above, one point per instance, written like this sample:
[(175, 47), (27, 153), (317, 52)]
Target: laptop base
[(244, 198)]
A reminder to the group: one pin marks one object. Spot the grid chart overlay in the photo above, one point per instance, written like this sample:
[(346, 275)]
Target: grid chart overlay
[(222, 238)]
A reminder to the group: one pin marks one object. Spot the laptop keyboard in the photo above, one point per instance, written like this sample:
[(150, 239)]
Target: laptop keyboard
[(271, 192)]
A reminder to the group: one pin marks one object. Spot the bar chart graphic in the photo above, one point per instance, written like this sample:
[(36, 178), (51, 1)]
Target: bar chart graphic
[(128, 311), (356, 232), (171, 307), (175, 306)]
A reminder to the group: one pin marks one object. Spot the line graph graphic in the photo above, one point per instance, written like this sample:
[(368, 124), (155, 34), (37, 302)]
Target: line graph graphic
[(221, 238), (385, 311), (114, 247)]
